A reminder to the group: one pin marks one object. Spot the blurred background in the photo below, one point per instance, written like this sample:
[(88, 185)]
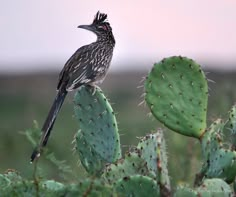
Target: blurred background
[(37, 38)]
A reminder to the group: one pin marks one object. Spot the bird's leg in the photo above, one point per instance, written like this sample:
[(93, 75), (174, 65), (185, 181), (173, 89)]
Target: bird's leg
[(93, 87)]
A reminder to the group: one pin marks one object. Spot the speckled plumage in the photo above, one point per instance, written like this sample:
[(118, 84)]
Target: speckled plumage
[(88, 65)]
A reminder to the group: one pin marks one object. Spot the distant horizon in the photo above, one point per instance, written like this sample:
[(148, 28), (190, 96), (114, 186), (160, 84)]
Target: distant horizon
[(55, 66), (144, 31)]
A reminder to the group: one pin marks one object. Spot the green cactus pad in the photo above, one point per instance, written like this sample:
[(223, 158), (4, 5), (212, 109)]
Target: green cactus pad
[(219, 162), (184, 191), (25, 189), (29, 188), (222, 164), (209, 187), (231, 125), (232, 119), (153, 151), (91, 188), (177, 94), (13, 185), (211, 139), (214, 187), (97, 122), (52, 185), (137, 186), (89, 158), (132, 164)]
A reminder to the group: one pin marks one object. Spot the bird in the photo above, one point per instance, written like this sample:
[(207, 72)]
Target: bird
[(87, 66)]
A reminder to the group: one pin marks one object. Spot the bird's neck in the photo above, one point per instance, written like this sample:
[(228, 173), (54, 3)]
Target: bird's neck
[(107, 39)]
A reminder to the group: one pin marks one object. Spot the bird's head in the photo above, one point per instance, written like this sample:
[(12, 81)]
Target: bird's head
[(100, 25)]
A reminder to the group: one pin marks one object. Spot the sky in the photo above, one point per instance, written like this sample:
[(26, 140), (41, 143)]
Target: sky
[(42, 35)]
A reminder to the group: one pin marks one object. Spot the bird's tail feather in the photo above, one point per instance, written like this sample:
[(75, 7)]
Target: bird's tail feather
[(49, 122)]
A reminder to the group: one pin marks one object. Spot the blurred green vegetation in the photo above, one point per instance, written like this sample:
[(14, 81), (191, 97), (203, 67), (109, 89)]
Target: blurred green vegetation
[(25, 98)]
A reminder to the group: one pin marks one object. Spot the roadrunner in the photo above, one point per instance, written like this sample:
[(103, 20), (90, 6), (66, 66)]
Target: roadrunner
[(87, 66)]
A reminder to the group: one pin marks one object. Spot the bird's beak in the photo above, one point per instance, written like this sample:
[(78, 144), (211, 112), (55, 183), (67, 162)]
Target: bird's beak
[(88, 27)]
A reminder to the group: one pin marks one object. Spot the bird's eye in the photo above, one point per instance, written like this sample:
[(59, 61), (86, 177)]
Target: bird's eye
[(104, 27)]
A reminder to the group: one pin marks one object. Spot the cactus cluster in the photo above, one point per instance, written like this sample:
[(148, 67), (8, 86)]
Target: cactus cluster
[(122, 178), (176, 92), (17, 186)]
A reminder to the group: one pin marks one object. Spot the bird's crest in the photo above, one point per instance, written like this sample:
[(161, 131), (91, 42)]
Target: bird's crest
[(100, 18)]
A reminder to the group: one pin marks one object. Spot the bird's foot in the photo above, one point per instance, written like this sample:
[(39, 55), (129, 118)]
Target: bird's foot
[(93, 87)]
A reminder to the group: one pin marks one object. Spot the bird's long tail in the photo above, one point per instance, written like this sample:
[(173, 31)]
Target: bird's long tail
[(49, 122)]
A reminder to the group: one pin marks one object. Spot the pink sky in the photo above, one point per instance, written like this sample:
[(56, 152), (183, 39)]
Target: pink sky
[(145, 31)]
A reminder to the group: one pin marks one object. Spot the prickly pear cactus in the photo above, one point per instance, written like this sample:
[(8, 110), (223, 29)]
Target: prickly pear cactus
[(153, 151), (210, 187), (17, 186), (219, 162), (88, 187), (232, 126), (90, 159), (215, 187), (212, 138), (97, 122), (132, 164), (177, 93), (52, 185), (148, 160), (184, 191), (232, 119), (137, 185)]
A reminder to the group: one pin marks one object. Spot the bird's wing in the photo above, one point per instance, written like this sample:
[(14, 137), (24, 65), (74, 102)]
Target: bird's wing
[(77, 70)]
